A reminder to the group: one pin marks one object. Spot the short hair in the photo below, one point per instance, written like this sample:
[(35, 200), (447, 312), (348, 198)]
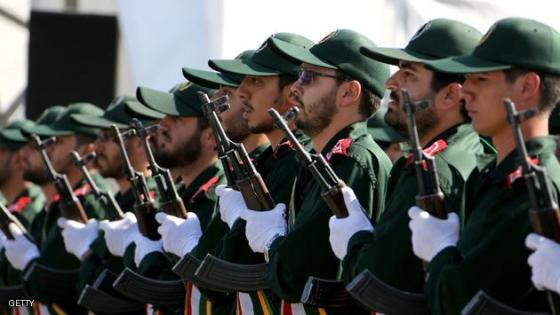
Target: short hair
[(369, 102), (549, 91), (442, 79), (202, 122), (285, 80)]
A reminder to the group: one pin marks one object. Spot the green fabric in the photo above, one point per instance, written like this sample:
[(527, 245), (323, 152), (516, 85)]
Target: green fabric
[(278, 169), (265, 61), (491, 253), (11, 137), (64, 125), (25, 207), (54, 255), (438, 38), (184, 101), (510, 42), (47, 117), (389, 245), (214, 80), (341, 50), (202, 202), (117, 114), (305, 251), (100, 258)]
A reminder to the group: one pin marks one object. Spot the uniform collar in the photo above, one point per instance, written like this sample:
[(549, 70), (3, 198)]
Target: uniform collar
[(352, 131), (203, 181), (536, 148)]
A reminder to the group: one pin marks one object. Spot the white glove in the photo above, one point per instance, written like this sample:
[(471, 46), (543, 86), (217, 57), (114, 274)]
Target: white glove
[(544, 262), (341, 230), (119, 234), (145, 246), (179, 236), (231, 204), (430, 235), (78, 236), (20, 251), (263, 226)]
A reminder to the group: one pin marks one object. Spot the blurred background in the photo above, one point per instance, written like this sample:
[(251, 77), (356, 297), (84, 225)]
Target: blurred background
[(56, 52)]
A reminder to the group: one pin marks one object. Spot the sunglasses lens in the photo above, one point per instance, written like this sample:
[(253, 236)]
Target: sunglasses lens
[(305, 77)]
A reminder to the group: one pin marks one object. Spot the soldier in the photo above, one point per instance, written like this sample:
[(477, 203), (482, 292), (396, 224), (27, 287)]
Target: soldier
[(444, 131), (46, 256), (80, 238), (183, 143), (516, 58), (337, 90), (268, 77), (24, 200)]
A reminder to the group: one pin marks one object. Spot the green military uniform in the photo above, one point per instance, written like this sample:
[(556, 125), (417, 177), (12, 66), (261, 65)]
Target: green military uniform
[(25, 206), (454, 151), (199, 197), (120, 113), (389, 243), (53, 253), (491, 254), (277, 166), (356, 159), (44, 229), (305, 251)]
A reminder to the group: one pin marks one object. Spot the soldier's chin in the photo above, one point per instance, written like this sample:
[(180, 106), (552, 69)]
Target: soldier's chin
[(36, 177)]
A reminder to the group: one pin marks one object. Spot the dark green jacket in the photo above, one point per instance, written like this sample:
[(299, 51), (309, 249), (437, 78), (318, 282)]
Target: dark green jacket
[(200, 198), (100, 258), (25, 207), (389, 244), (53, 253), (278, 168), (305, 251), (491, 253)]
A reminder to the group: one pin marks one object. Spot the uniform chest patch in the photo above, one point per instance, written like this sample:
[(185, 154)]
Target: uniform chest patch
[(19, 205), (432, 150), (340, 148), (518, 173)]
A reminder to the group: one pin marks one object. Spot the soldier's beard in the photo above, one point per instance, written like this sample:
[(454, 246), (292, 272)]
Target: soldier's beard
[(426, 118), (110, 168), (36, 175), (323, 110), (237, 129), (185, 154)]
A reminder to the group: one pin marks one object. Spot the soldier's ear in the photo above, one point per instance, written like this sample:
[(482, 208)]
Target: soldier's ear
[(529, 85), (452, 96), (351, 92), (207, 139)]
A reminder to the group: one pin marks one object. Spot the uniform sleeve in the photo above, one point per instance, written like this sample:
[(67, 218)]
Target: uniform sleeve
[(497, 264), (306, 251)]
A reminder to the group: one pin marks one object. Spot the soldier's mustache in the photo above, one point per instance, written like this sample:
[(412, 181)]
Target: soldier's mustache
[(298, 100)]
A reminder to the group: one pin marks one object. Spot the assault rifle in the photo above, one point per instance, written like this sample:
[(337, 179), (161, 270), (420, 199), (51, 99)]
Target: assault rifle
[(144, 205), (170, 202), (318, 292), (70, 206), (110, 206), (544, 213), (241, 175), (366, 288), (6, 217)]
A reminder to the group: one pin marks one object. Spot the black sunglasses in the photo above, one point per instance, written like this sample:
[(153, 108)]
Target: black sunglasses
[(306, 76)]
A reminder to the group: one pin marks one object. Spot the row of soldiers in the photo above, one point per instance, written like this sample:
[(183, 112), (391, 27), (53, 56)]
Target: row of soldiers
[(227, 184)]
